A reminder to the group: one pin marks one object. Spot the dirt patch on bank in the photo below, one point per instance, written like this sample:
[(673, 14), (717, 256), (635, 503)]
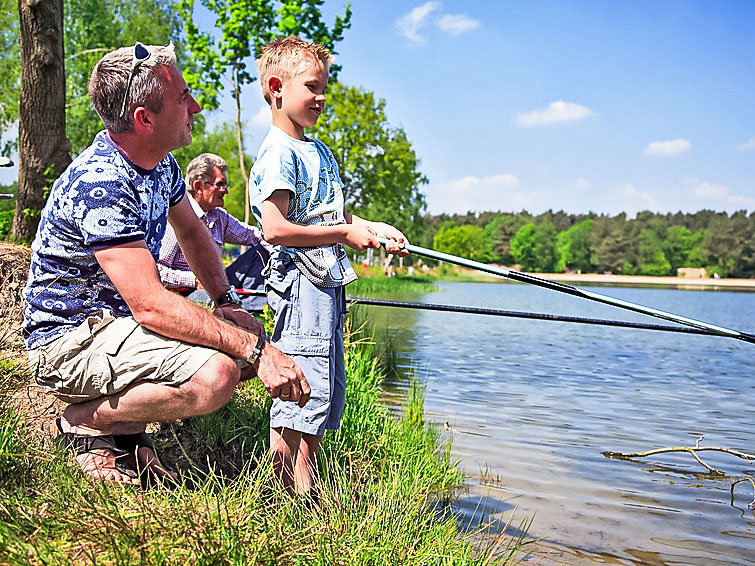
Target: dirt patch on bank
[(14, 269)]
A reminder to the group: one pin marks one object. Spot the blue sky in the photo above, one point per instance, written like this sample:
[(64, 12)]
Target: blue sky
[(576, 105), (604, 106)]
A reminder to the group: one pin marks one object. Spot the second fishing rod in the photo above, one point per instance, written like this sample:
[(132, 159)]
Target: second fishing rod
[(574, 291)]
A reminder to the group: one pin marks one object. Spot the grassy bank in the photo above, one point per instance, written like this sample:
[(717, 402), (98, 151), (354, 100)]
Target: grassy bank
[(385, 481), (372, 281)]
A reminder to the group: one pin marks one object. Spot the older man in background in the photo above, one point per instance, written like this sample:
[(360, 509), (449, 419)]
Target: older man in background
[(207, 185)]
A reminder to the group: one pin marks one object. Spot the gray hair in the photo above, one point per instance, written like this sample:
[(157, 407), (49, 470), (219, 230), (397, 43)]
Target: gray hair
[(109, 79), (202, 167)]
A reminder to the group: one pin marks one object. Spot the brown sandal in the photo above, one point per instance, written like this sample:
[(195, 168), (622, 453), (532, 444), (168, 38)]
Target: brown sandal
[(78, 444)]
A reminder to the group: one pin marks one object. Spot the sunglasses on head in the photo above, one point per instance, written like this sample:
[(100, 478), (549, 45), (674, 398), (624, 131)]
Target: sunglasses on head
[(141, 54)]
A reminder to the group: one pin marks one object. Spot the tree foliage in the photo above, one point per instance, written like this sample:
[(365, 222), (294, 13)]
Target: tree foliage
[(378, 165), (574, 247), (534, 247), (465, 241), (95, 27), (650, 243), (10, 73), (498, 235), (91, 28), (221, 141)]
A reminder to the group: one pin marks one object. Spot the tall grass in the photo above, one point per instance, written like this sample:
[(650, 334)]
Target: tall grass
[(382, 479)]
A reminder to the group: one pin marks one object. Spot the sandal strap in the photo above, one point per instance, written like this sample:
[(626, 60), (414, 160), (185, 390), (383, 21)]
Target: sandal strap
[(82, 444), (130, 442)]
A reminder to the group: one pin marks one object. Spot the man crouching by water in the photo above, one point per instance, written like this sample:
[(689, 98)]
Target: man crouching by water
[(101, 330)]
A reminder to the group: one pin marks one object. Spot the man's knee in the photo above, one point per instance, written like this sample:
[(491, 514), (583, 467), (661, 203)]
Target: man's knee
[(213, 385)]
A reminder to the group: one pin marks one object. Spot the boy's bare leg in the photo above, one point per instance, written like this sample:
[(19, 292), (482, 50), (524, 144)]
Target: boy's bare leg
[(284, 447), (306, 462)]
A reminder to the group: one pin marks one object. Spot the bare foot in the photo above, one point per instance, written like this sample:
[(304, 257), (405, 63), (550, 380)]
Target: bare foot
[(102, 464)]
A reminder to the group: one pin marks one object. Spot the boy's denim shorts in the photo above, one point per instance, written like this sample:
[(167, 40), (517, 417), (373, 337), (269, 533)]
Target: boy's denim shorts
[(309, 328)]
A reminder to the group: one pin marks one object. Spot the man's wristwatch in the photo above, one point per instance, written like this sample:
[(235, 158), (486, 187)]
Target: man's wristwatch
[(230, 297), (256, 351)]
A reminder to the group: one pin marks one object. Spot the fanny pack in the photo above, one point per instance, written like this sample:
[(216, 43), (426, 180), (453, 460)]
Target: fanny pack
[(325, 266)]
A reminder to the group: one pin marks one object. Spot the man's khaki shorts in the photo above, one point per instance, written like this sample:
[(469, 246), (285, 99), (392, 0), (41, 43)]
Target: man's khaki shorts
[(105, 355)]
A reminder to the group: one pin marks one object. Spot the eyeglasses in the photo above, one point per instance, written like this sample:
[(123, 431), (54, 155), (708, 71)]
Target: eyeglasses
[(220, 186), (141, 54)]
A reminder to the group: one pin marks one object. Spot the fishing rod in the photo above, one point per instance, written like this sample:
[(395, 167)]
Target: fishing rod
[(506, 313), (529, 315), (574, 291)]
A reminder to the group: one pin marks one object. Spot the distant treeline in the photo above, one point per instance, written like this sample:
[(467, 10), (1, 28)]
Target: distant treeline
[(554, 242)]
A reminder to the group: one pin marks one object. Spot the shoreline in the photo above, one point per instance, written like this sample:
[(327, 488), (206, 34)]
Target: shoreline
[(702, 284)]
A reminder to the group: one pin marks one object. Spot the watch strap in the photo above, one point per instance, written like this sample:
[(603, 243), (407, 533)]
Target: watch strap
[(230, 297), (256, 351)]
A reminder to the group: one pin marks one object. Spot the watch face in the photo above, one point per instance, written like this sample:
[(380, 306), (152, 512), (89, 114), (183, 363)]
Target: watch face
[(229, 297)]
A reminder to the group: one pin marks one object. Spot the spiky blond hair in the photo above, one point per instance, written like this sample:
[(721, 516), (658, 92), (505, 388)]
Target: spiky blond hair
[(286, 57)]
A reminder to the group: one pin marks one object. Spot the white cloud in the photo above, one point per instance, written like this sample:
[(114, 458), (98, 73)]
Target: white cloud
[(558, 111), (633, 200), (710, 190), (719, 197), (472, 193), (410, 24), (263, 118), (668, 147), (743, 202), (456, 24), (582, 183), (748, 145), (470, 182)]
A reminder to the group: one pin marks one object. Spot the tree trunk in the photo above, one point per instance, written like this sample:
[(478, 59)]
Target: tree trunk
[(43, 150), (240, 142)]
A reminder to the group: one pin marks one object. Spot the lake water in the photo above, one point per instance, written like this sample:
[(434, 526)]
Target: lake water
[(531, 405)]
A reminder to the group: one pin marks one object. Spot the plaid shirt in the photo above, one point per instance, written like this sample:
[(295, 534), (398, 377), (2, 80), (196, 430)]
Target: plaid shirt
[(224, 228)]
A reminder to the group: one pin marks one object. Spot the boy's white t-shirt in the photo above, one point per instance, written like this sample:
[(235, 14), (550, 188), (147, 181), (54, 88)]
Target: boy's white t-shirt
[(309, 172)]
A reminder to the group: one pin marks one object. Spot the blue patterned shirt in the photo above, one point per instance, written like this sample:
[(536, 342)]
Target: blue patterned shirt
[(101, 200)]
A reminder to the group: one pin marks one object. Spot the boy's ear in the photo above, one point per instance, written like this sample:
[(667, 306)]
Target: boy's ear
[(275, 86)]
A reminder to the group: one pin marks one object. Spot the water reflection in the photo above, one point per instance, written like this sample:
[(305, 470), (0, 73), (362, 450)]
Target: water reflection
[(532, 405)]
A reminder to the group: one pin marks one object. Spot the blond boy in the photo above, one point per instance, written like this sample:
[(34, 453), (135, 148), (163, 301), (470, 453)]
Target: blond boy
[(295, 191)]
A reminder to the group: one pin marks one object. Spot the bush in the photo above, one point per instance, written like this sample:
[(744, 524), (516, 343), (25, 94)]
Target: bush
[(6, 219)]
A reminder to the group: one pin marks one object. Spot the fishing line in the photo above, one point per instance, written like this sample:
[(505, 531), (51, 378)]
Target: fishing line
[(574, 291)]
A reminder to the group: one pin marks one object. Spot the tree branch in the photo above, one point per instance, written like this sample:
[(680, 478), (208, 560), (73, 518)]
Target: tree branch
[(691, 449)]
